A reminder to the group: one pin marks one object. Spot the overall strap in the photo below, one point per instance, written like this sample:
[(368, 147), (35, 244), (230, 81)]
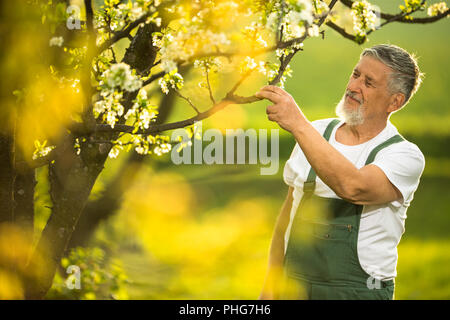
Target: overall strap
[(394, 139), (310, 183)]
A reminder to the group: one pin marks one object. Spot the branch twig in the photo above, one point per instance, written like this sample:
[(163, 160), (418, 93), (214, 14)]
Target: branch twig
[(402, 19), (124, 33), (188, 100), (342, 32), (209, 86)]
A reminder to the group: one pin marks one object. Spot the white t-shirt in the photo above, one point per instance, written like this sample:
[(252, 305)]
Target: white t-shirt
[(381, 226)]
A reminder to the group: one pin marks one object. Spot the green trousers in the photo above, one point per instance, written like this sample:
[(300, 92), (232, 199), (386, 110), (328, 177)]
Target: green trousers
[(321, 260)]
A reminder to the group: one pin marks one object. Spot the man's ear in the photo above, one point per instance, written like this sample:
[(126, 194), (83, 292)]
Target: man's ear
[(396, 102)]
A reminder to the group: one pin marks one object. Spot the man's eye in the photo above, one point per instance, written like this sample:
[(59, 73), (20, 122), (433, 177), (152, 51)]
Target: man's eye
[(368, 84), (355, 75)]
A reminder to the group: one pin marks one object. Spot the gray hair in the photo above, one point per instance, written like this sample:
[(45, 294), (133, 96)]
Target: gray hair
[(405, 76)]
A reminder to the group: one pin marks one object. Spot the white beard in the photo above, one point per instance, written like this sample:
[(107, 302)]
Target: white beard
[(350, 117)]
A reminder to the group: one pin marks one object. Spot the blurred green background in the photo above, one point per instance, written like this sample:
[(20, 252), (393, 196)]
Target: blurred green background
[(203, 232)]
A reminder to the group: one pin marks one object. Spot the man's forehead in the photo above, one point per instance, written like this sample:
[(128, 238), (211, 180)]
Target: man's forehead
[(372, 68)]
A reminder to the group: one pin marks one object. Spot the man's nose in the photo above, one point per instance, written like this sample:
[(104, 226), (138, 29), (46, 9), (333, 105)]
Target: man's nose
[(354, 85)]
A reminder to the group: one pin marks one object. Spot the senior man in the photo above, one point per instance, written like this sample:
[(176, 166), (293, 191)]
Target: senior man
[(350, 181)]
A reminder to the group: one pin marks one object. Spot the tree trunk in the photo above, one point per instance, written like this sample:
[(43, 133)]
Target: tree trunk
[(71, 180), (6, 177), (73, 176), (24, 185), (101, 209)]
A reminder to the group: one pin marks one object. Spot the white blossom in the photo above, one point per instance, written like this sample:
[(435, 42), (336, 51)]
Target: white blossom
[(272, 21), (261, 42), (56, 42), (163, 85), (437, 8), (145, 117), (167, 64), (41, 149), (321, 6), (119, 75), (141, 150), (248, 64), (141, 110), (313, 31), (136, 12), (363, 17), (171, 80), (299, 16), (162, 148), (157, 40), (111, 118), (262, 68), (115, 150)]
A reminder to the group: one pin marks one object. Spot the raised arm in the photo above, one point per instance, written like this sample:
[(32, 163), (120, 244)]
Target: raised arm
[(368, 185)]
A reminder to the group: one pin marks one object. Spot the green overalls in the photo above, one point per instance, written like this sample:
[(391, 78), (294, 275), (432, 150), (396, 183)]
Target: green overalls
[(322, 253)]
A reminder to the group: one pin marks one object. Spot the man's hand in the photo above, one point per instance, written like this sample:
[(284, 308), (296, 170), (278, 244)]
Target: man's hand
[(284, 111)]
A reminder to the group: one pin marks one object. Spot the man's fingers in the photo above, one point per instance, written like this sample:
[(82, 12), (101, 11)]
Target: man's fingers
[(274, 89), (271, 117), (268, 95), (270, 109)]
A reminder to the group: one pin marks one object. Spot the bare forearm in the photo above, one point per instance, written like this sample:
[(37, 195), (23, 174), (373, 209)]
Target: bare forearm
[(368, 185), (330, 165), (276, 253)]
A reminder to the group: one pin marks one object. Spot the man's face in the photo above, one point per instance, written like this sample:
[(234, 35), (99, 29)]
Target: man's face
[(367, 95)]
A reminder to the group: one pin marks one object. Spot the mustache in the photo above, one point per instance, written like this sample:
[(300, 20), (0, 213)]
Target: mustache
[(352, 95)]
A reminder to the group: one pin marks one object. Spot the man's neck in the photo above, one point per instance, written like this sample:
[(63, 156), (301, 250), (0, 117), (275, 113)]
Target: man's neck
[(354, 135)]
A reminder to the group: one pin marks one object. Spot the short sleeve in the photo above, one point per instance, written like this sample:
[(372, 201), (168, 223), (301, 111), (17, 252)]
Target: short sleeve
[(297, 163), (403, 164)]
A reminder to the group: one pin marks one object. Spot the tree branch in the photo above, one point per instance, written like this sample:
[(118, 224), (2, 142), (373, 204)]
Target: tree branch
[(209, 86), (245, 76), (39, 162), (342, 32), (78, 129), (322, 19), (188, 100), (153, 78), (402, 19), (284, 61), (89, 15), (124, 33)]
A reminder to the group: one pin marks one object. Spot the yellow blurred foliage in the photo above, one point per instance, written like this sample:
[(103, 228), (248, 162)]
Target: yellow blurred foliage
[(10, 286), (16, 247), (47, 107), (38, 100), (208, 251), (234, 117)]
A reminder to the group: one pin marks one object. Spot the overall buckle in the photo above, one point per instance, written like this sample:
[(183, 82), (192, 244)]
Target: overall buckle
[(309, 186)]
